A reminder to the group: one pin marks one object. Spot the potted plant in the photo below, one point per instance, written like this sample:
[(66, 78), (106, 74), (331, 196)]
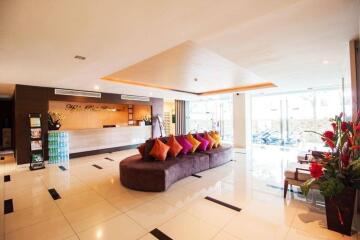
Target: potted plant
[(54, 120), (337, 173)]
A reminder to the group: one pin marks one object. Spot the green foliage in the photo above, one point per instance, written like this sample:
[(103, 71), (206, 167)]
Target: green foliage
[(331, 187), (305, 188), (354, 174)]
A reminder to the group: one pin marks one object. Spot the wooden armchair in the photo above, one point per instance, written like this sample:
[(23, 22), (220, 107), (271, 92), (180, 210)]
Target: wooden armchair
[(296, 178)]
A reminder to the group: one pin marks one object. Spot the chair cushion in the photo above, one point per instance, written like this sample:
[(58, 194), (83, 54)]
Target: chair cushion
[(195, 143), (217, 138), (141, 149), (186, 145), (175, 147), (148, 147), (211, 141), (302, 176), (203, 143), (159, 150)]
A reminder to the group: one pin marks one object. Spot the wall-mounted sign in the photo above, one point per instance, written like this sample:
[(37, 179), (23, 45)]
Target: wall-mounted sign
[(95, 108)]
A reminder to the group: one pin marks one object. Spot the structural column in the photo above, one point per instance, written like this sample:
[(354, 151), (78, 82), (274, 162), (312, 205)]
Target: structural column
[(241, 122)]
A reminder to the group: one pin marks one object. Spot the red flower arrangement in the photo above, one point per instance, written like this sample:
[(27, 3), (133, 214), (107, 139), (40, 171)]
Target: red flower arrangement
[(340, 167), (316, 170)]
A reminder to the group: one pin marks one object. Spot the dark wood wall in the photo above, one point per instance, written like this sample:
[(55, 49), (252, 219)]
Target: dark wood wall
[(31, 99), (6, 116)]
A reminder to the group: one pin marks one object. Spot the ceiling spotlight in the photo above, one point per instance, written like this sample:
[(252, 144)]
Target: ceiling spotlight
[(325, 62), (96, 87), (80, 57), (150, 93)]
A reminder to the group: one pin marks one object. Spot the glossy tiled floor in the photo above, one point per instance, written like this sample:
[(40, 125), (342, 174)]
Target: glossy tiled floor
[(94, 205)]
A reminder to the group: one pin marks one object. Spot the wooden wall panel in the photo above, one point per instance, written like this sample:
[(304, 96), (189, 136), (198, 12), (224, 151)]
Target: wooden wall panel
[(90, 119), (31, 99), (354, 74)]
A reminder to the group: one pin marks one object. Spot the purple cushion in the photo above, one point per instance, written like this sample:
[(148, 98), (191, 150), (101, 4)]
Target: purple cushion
[(186, 145), (203, 142)]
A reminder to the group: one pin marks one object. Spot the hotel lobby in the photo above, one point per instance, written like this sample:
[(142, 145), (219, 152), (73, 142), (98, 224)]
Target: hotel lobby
[(181, 120)]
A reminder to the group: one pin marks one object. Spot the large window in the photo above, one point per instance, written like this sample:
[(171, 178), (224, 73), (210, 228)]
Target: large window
[(283, 119), (212, 114)]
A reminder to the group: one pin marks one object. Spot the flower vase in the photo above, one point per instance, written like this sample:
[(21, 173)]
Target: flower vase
[(340, 211)]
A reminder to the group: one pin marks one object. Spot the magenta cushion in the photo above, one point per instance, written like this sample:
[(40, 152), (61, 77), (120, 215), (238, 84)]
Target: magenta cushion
[(186, 145), (203, 142)]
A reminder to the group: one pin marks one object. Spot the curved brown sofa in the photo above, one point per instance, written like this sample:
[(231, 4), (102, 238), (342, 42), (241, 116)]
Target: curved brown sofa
[(156, 176)]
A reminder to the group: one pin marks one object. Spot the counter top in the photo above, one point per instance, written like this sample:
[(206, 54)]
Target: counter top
[(90, 129), (82, 140)]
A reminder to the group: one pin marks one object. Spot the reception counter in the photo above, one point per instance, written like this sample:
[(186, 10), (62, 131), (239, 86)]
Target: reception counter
[(90, 140)]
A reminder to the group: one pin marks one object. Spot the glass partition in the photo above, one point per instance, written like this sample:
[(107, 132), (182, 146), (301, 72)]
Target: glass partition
[(212, 114), (283, 119)]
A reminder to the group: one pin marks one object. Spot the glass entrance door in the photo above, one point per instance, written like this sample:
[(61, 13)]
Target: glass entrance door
[(284, 119)]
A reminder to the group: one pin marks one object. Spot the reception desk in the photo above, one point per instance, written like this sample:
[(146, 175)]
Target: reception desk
[(89, 140)]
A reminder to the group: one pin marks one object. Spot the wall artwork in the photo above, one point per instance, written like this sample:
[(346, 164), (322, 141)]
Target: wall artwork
[(36, 145), (35, 122), (35, 133)]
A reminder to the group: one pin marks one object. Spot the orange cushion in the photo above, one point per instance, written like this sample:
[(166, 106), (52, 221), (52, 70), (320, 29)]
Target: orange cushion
[(175, 147), (195, 143), (216, 137), (159, 150), (210, 139)]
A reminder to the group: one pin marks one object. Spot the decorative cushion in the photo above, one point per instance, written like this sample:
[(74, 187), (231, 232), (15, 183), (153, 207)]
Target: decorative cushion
[(203, 142), (141, 149), (186, 145), (159, 150), (195, 143), (211, 141), (175, 147), (216, 136)]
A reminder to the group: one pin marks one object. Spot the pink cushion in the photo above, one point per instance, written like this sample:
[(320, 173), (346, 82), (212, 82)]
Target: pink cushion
[(203, 142), (186, 145)]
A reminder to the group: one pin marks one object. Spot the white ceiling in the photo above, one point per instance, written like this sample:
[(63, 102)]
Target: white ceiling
[(282, 41)]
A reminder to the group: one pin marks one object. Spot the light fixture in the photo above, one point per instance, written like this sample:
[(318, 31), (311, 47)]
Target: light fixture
[(80, 57), (195, 79), (150, 93), (96, 87), (325, 61)]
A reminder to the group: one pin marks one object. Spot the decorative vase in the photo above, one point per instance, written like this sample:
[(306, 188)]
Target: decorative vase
[(54, 126), (340, 211)]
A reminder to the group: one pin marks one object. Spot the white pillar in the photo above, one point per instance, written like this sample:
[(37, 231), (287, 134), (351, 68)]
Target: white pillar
[(241, 120)]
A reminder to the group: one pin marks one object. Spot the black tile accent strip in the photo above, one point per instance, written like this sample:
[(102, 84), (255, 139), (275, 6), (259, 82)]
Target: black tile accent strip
[(8, 206), (97, 166), (62, 168), (2, 158), (160, 235), (241, 152), (110, 159), (54, 194), (7, 178), (195, 175), (281, 188), (223, 203)]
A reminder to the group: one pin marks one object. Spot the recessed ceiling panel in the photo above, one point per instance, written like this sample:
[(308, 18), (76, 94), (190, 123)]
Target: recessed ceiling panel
[(186, 67)]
